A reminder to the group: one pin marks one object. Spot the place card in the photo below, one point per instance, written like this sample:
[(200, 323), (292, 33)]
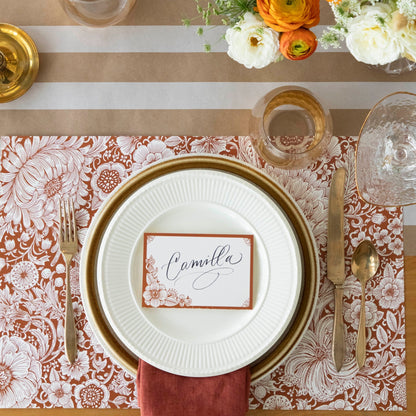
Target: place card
[(197, 271)]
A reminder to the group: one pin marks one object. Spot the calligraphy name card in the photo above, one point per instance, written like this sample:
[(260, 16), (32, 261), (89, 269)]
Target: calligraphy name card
[(197, 271)]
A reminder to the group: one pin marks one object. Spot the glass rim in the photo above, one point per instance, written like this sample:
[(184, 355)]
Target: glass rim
[(326, 117), (360, 194)]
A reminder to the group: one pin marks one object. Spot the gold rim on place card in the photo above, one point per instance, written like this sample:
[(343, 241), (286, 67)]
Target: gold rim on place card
[(300, 322)]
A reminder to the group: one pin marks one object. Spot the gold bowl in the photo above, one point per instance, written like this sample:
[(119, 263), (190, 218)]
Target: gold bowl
[(19, 62)]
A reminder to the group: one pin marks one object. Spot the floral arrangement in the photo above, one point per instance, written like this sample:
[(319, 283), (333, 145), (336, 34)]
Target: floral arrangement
[(264, 31), (376, 32)]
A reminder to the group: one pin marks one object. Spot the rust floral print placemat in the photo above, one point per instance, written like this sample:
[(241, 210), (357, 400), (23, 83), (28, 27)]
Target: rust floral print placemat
[(34, 372)]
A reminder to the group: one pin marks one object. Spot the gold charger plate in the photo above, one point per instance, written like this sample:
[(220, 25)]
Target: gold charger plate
[(92, 304), (19, 62)]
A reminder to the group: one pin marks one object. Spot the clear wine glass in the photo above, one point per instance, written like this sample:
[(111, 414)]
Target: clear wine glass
[(398, 67), (19, 62), (386, 152), (97, 13)]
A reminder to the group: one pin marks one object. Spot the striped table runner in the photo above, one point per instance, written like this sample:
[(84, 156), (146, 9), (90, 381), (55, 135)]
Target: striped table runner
[(151, 76)]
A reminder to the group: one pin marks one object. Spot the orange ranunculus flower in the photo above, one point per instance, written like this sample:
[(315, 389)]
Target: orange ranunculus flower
[(298, 44), (287, 15)]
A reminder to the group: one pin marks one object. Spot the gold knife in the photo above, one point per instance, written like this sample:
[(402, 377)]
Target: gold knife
[(335, 261)]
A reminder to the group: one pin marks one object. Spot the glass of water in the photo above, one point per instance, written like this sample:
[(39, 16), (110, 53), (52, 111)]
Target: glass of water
[(290, 127), (98, 13)]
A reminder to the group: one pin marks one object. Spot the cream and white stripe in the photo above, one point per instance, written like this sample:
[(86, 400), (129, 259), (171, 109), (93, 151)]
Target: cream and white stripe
[(137, 39), (189, 95), (151, 76)]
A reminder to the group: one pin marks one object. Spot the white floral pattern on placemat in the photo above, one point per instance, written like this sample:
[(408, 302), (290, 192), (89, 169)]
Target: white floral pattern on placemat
[(37, 171)]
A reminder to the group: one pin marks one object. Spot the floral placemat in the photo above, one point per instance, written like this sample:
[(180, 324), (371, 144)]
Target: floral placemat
[(34, 372)]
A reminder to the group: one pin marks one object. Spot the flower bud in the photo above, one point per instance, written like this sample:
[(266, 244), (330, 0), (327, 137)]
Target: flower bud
[(298, 44)]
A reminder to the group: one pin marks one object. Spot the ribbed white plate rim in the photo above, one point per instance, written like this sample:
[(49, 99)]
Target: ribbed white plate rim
[(229, 343)]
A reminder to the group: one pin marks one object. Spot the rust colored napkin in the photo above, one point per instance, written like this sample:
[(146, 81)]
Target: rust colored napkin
[(165, 394)]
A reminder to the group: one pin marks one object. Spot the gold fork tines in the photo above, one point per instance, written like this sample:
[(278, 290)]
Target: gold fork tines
[(68, 242)]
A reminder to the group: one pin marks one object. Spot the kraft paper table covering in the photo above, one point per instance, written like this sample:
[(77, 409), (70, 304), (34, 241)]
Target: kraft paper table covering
[(36, 171), (150, 75)]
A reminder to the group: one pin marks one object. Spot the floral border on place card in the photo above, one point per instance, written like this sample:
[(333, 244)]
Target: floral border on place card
[(212, 271)]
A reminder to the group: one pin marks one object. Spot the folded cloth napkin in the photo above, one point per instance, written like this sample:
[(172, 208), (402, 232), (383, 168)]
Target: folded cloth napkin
[(165, 394)]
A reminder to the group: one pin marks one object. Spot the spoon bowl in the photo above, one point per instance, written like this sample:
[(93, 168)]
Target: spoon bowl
[(364, 265)]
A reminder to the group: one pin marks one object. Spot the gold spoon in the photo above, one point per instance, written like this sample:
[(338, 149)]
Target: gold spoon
[(364, 265)]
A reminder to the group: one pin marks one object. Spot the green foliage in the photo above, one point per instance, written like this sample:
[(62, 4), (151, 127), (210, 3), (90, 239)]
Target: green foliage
[(230, 10), (381, 20), (330, 38)]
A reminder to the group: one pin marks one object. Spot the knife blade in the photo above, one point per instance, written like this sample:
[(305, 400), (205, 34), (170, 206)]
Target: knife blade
[(335, 261)]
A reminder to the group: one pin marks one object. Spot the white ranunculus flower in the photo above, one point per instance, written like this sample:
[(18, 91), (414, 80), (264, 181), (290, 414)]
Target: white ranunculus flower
[(252, 43), (370, 40), (407, 37)]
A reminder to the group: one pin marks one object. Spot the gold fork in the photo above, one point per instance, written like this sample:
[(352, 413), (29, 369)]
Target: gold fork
[(68, 242)]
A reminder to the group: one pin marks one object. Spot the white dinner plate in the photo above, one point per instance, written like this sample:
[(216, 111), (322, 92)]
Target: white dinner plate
[(200, 342)]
